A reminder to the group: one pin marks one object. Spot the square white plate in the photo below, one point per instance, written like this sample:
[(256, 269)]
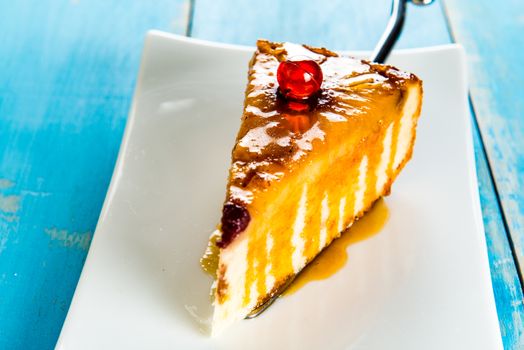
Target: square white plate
[(422, 283)]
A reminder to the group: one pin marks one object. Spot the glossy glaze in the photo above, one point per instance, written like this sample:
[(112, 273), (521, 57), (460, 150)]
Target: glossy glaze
[(275, 135), (209, 261), (334, 257)]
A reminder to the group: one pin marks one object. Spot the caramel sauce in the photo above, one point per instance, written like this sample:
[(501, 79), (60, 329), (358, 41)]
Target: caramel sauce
[(396, 131), (373, 163), (334, 257), (313, 223), (209, 261), (276, 135)]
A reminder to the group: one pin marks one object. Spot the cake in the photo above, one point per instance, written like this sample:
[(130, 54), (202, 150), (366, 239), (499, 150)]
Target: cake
[(307, 163)]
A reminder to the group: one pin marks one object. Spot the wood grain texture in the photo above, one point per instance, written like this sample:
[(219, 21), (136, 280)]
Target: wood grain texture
[(492, 33), (67, 75), (506, 283), (340, 25)]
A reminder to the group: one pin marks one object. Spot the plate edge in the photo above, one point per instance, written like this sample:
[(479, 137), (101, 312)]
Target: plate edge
[(225, 46)]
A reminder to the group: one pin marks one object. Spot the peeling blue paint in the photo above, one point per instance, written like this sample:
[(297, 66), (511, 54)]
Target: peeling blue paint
[(70, 239)]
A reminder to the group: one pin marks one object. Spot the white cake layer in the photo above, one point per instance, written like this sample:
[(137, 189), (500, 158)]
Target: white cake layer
[(235, 258), (297, 240)]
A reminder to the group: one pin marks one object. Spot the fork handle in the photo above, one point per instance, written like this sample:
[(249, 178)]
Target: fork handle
[(393, 29)]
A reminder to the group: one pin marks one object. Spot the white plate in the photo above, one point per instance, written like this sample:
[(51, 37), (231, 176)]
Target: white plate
[(422, 283)]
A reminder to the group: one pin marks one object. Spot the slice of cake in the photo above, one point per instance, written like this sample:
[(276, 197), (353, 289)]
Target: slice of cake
[(322, 137)]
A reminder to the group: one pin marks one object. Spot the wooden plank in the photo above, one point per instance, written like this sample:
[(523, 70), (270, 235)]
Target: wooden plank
[(340, 25), (491, 32), (504, 276), (357, 25), (68, 73)]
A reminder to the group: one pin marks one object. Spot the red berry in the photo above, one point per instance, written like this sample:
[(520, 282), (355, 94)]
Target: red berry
[(235, 219), (299, 80)]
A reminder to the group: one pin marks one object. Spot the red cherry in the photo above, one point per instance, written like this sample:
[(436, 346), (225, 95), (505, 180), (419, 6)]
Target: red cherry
[(235, 219), (299, 80)]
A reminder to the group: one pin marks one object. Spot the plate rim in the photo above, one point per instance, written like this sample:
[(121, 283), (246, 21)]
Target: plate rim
[(118, 168)]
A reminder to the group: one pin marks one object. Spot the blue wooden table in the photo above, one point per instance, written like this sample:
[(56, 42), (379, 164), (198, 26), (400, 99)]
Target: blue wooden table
[(67, 73)]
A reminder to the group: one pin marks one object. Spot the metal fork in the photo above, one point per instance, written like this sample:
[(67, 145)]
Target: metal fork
[(379, 55)]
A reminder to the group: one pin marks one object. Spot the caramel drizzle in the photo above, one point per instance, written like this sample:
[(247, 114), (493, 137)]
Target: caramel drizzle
[(394, 142), (209, 261), (281, 256), (256, 265), (311, 232), (250, 270), (282, 265), (334, 257), (373, 164), (352, 178), (261, 267)]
